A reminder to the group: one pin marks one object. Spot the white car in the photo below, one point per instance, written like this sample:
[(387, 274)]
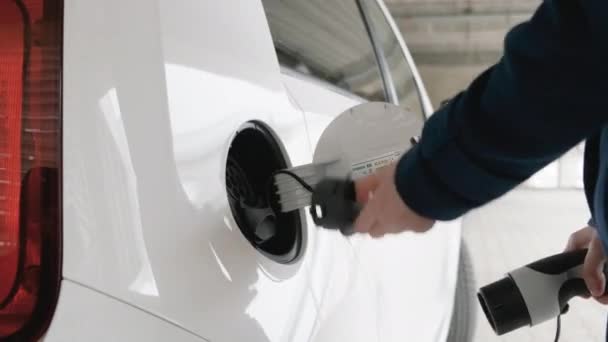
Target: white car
[(129, 129)]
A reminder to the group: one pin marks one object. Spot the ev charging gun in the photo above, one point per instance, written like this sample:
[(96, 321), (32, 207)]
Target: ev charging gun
[(535, 293), (354, 144)]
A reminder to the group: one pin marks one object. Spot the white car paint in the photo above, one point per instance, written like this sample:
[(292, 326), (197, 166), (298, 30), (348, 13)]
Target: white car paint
[(410, 294), (153, 93), (85, 313)]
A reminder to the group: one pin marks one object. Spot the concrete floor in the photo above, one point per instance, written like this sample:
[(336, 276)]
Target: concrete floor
[(521, 227)]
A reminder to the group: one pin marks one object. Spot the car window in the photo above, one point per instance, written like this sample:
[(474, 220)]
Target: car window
[(398, 67), (328, 41)]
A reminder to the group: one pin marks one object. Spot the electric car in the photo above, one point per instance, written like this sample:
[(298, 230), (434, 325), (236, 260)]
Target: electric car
[(131, 134)]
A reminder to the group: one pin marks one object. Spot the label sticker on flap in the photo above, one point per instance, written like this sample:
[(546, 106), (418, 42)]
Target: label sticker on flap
[(370, 166)]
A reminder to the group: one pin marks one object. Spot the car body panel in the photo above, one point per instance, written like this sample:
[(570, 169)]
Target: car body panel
[(153, 93), (147, 126), (410, 297), (83, 314)]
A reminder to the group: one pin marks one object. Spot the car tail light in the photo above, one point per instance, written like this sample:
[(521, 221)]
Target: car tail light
[(30, 162)]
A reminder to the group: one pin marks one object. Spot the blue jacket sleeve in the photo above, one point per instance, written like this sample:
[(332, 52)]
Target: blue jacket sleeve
[(545, 95)]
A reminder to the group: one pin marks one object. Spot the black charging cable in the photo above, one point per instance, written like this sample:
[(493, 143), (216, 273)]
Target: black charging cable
[(559, 328)]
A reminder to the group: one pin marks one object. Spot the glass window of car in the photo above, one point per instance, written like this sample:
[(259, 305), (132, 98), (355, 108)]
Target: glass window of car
[(398, 67), (326, 40)]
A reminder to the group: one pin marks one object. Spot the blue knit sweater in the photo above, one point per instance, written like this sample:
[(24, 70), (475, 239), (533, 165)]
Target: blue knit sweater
[(547, 93)]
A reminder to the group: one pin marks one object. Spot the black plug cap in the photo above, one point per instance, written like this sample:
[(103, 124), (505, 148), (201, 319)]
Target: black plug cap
[(334, 206), (503, 306)]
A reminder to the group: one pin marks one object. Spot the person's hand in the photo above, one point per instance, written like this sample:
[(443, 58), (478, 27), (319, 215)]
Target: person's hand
[(594, 261), (384, 212)]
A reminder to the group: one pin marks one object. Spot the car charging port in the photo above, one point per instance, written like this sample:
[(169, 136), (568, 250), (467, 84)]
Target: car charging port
[(254, 156)]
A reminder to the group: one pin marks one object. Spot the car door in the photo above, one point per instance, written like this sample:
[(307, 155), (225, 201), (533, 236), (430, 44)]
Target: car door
[(327, 76), (415, 274), (335, 55)]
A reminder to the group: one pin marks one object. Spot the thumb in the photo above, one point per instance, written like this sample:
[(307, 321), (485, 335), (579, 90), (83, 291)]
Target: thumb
[(593, 268), (365, 186), (367, 218)]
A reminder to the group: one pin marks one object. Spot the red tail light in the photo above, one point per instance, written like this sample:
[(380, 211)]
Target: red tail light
[(30, 162)]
